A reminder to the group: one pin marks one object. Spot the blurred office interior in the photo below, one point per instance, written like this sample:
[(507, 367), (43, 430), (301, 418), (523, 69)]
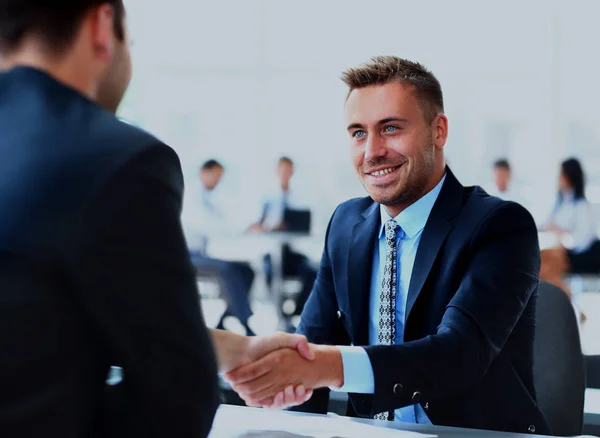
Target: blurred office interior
[(246, 82)]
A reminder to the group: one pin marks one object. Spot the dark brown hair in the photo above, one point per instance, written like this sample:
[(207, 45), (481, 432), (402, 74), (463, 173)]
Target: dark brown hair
[(285, 160), (55, 21), (381, 70)]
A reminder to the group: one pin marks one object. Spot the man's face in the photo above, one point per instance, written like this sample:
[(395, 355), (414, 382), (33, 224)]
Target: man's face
[(285, 171), (211, 177), (392, 144), (501, 178), (563, 183), (115, 80)]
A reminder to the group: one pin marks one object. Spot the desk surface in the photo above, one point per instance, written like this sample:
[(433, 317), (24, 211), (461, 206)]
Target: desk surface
[(239, 422), (592, 407)]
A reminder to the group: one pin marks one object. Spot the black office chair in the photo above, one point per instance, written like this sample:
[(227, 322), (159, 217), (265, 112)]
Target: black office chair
[(592, 369), (559, 369)]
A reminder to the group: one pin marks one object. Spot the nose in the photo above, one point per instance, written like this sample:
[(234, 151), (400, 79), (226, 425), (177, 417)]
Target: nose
[(375, 148)]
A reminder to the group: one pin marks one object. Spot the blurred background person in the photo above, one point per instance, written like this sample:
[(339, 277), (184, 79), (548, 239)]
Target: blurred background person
[(283, 197), (204, 217), (573, 223), (294, 264), (505, 186), (502, 180)]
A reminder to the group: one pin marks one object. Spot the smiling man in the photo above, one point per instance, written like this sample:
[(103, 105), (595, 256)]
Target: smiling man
[(425, 299)]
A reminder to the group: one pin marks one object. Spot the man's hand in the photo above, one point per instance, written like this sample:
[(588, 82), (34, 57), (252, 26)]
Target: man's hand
[(255, 228), (260, 346), (269, 382), (235, 351)]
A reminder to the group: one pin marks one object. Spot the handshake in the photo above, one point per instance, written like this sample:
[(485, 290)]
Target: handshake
[(276, 371)]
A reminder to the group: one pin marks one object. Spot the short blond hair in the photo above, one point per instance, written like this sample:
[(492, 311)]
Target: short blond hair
[(381, 70)]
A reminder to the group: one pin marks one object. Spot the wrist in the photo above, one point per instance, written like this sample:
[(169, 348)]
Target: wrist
[(232, 350), (329, 361)]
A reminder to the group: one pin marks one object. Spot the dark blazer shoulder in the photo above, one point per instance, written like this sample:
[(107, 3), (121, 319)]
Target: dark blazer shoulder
[(115, 145), (354, 208), (118, 138), (480, 207)]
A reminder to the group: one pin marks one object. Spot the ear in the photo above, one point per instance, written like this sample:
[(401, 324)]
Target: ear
[(102, 28), (440, 130)]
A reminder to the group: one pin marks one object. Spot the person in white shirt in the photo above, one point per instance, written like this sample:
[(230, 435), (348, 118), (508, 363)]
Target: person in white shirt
[(503, 187), (573, 222), (271, 219), (203, 218)]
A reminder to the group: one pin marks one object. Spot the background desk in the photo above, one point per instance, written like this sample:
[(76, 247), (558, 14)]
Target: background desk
[(591, 416), (238, 422)]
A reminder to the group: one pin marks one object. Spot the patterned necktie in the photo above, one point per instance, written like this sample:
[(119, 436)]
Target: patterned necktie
[(387, 298)]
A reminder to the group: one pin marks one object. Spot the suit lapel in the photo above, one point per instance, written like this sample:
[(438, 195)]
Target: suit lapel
[(436, 230), (360, 264)]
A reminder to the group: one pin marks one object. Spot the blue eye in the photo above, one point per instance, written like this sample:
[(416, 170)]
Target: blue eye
[(390, 129), (359, 134)]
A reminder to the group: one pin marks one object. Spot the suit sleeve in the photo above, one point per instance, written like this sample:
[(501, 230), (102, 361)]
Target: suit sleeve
[(493, 294), (138, 288), (319, 323)]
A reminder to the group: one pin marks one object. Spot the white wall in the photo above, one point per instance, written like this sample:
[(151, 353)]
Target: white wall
[(249, 80)]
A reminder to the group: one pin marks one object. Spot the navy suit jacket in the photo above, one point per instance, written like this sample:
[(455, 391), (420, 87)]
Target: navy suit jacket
[(94, 272), (470, 317)]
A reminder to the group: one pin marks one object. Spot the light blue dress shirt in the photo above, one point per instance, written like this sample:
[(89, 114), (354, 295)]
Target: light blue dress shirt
[(358, 372)]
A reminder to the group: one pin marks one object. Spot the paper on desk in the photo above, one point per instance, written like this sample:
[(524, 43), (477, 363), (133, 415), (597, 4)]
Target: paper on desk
[(254, 423)]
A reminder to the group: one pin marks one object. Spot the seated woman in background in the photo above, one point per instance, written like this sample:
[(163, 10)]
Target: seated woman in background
[(572, 217)]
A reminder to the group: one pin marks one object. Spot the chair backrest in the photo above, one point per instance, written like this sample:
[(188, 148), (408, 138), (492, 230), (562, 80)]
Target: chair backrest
[(592, 366), (559, 369)]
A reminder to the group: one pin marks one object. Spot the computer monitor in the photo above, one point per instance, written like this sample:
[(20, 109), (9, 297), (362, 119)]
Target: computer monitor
[(297, 221)]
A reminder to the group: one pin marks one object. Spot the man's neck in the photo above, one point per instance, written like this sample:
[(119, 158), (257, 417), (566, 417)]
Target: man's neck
[(395, 209), (63, 69)]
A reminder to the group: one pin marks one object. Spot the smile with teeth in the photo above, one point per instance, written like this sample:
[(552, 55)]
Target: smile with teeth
[(383, 172)]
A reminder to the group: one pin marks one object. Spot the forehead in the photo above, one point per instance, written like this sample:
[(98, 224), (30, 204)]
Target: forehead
[(377, 102)]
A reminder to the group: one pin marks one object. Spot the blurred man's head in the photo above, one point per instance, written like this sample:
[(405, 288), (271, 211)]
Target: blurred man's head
[(285, 171), (502, 175), (82, 43), (394, 110), (211, 173)]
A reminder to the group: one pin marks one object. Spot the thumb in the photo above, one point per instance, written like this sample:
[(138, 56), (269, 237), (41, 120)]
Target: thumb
[(301, 344)]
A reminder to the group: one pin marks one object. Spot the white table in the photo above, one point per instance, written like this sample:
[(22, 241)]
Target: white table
[(548, 240), (239, 422), (592, 407)]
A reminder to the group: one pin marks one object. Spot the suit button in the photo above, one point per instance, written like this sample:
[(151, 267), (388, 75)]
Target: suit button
[(416, 396), (339, 315), (398, 389), (426, 407), (531, 429)]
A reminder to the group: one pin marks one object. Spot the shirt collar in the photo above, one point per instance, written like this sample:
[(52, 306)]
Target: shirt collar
[(413, 218)]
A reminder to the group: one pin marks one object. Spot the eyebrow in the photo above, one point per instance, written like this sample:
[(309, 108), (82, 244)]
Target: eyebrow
[(381, 122)]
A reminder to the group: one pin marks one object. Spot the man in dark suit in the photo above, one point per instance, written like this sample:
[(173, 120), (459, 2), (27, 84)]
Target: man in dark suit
[(426, 288), (94, 269)]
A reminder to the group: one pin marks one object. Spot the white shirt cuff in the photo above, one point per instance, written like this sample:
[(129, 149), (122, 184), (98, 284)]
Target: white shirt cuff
[(358, 371)]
